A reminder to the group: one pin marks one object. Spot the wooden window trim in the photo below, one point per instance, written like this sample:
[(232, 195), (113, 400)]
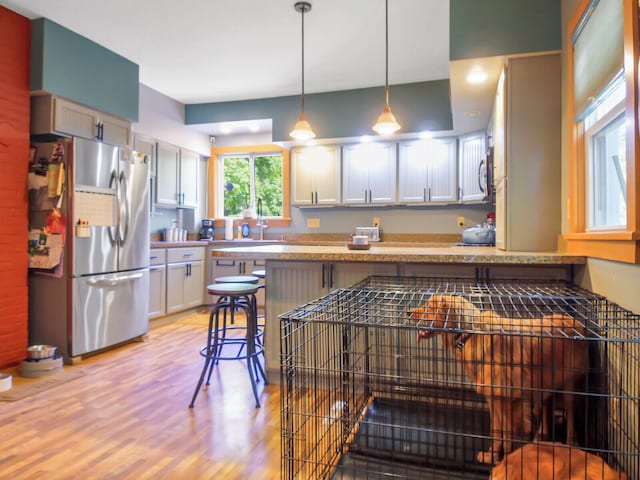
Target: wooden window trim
[(623, 246), (277, 222)]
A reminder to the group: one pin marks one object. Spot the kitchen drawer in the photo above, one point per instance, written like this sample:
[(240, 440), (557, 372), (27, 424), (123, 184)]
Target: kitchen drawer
[(185, 254), (157, 256)]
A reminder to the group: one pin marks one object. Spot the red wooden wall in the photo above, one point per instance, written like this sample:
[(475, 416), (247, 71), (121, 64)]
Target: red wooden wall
[(15, 40)]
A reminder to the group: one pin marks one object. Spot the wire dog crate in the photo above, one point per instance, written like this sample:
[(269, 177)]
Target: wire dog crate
[(431, 378)]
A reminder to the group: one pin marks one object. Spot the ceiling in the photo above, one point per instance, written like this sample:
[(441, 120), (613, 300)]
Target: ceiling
[(219, 50)]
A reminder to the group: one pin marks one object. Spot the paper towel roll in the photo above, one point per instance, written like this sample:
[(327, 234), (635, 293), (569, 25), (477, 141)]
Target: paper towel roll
[(228, 228)]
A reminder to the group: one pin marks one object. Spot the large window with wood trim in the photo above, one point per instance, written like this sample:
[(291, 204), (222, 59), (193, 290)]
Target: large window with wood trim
[(244, 178), (603, 114)]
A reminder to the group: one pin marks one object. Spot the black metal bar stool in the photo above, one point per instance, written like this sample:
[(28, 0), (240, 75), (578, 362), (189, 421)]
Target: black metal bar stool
[(232, 296), (237, 279), (261, 274)]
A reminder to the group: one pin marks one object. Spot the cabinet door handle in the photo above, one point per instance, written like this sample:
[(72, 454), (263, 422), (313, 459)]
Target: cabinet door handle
[(323, 280), (424, 194), (370, 197), (187, 254), (98, 131), (311, 198), (459, 194), (429, 193), (331, 276), (316, 198)]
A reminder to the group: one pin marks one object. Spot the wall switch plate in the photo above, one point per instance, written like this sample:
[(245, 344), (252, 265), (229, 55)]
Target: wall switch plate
[(376, 222), (461, 221), (313, 223)]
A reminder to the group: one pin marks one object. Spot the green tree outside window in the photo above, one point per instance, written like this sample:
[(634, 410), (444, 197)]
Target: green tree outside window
[(248, 178)]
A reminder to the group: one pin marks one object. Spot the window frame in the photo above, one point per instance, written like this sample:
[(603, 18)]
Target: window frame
[(613, 243), (611, 118), (255, 150)]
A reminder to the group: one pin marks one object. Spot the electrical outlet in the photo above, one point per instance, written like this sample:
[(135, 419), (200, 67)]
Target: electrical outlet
[(461, 221), (313, 223), (376, 222)]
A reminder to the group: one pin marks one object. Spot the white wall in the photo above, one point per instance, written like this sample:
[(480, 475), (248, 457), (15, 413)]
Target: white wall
[(162, 118)]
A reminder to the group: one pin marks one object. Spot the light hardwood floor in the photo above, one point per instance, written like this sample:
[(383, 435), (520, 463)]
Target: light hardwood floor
[(128, 418)]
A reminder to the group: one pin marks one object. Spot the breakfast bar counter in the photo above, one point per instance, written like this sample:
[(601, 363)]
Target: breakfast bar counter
[(299, 273), (438, 253)]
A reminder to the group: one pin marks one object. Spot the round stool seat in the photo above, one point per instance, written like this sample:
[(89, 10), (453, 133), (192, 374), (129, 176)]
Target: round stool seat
[(237, 279), (258, 273), (232, 288)]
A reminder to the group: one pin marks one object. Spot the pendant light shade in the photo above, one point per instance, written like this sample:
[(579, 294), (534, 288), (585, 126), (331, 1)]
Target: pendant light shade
[(302, 130), (387, 123)]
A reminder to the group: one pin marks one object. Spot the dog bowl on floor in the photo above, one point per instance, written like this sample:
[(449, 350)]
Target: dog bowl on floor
[(5, 382), (36, 352), (40, 368)]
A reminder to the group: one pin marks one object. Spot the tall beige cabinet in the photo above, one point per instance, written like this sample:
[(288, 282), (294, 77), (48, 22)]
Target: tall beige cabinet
[(527, 130)]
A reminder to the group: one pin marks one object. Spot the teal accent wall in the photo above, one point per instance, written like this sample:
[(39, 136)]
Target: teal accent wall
[(418, 107), (72, 66), (486, 28)]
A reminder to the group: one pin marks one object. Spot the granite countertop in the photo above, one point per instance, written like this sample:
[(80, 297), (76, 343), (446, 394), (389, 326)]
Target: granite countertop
[(438, 253)]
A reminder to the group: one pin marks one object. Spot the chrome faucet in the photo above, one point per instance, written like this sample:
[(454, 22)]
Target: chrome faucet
[(261, 222)]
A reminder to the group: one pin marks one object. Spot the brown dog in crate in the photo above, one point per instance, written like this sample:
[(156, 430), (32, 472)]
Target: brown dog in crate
[(515, 364), (549, 461)]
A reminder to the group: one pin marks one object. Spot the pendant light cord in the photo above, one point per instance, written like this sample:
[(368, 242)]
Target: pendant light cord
[(302, 96), (386, 43)]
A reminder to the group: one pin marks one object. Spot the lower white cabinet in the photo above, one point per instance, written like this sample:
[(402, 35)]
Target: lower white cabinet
[(185, 277), (157, 282)]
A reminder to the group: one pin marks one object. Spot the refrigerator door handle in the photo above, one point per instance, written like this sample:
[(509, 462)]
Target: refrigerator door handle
[(112, 237), (113, 281), (124, 208)]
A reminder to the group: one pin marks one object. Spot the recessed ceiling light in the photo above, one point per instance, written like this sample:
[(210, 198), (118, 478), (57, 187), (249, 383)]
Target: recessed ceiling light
[(476, 75), (425, 134), (365, 139), (226, 129), (253, 127), (472, 114)]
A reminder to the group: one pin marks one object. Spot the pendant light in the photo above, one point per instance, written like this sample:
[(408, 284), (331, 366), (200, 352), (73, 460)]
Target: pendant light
[(302, 130), (386, 124)]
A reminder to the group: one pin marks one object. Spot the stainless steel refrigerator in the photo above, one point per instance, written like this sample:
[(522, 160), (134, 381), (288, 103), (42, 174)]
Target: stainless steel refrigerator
[(101, 298)]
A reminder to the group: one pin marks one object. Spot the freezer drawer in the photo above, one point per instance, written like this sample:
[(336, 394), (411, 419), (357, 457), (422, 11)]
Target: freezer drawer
[(108, 309)]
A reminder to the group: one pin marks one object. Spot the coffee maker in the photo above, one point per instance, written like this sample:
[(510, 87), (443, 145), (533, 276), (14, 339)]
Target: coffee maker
[(206, 231)]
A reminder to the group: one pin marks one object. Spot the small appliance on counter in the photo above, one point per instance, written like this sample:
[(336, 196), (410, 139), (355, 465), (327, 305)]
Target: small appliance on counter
[(206, 231), (479, 235), (372, 233)]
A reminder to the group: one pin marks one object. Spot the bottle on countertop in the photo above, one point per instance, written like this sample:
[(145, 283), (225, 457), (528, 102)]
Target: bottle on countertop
[(239, 233)]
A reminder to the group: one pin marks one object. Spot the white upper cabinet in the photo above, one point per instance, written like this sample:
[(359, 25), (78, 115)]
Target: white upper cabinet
[(315, 175), (427, 171), (473, 168), (189, 164), (51, 114), (176, 176), (369, 173), (167, 175)]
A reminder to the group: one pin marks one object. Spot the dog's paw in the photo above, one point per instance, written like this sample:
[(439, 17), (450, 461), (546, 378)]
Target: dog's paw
[(488, 458)]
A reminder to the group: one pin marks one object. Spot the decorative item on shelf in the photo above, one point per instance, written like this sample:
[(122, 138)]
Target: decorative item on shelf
[(302, 130), (386, 123)]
